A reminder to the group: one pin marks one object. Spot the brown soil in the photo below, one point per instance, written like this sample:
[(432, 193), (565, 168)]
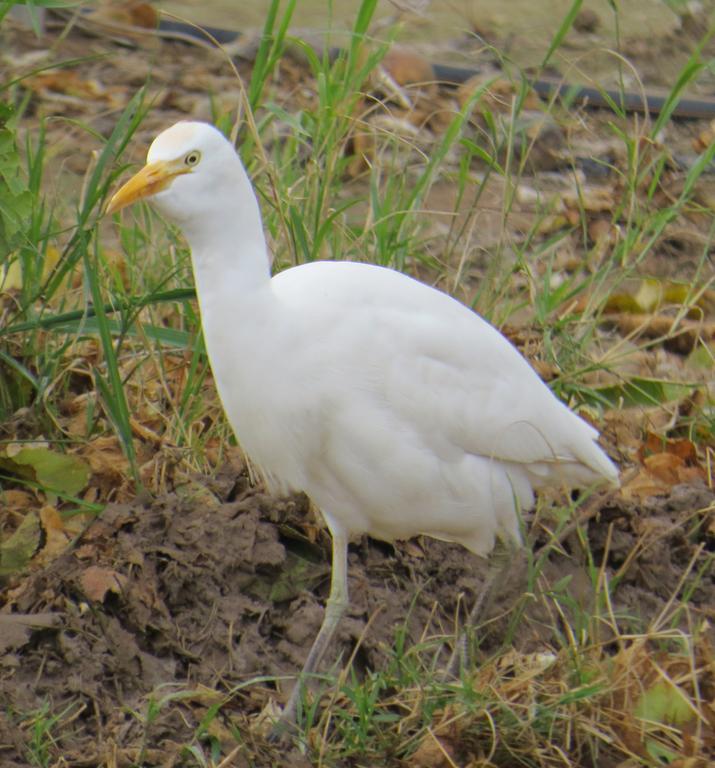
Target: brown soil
[(190, 596)]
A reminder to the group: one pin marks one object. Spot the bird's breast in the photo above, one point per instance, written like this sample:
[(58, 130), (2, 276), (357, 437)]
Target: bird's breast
[(271, 392)]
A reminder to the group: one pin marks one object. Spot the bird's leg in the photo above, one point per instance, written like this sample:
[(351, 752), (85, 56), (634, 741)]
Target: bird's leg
[(334, 609)]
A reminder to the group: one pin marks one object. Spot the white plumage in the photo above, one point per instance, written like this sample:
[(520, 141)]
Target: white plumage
[(395, 408)]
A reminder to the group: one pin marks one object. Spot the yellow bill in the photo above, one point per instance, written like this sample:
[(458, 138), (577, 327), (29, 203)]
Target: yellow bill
[(151, 179)]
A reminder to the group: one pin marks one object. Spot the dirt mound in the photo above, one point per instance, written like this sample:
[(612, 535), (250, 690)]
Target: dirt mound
[(200, 592), (191, 592)]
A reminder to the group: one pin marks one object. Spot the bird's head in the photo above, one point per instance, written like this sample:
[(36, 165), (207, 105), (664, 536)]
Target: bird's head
[(185, 167)]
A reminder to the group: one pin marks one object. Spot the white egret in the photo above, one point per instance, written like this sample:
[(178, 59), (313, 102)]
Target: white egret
[(398, 410)]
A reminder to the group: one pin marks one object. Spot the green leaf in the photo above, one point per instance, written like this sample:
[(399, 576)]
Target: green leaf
[(55, 471), (15, 198), (584, 692), (298, 575), (703, 356), (660, 753), (638, 391), (301, 575), (664, 703), (17, 551)]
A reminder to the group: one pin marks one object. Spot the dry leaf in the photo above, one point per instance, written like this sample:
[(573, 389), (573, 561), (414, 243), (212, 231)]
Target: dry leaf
[(16, 628), (407, 67), (96, 582), (16, 500), (436, 750), (680, 337), (56, 538), (136, 14), (590, 199), (142, 431), (683, 448), (413, 549), (497, 96), (644, 486), (106, 460), (665, 463), (705, 138), (65, 82), (601, 230)]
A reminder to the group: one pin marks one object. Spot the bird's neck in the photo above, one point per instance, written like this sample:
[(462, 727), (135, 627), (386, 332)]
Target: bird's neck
[(228, 248), (234, 267)]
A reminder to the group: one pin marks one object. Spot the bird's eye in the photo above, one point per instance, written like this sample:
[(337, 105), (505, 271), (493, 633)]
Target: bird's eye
[(192, 158)]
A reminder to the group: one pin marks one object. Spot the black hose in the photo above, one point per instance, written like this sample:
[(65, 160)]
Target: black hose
[(597, 98), (587, 96)]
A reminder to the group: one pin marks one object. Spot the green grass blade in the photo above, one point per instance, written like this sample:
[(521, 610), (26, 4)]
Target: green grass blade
[(269, 50), (687, 76), (562, 31), (112, 388), (74, 319)]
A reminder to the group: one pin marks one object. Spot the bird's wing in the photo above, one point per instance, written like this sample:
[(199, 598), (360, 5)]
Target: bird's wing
[(450, 375), (470, 389)]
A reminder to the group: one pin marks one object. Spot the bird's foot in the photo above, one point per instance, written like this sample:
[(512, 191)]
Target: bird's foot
[(283, 733), (285, 729)]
